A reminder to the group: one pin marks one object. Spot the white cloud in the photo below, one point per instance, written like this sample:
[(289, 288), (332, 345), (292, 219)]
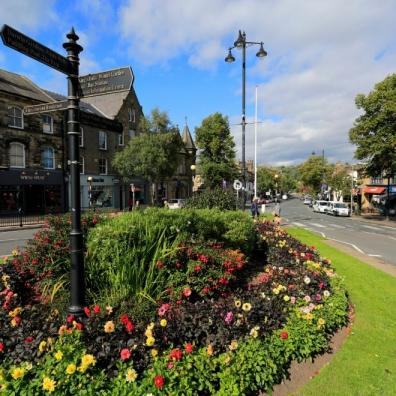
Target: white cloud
[(321, 54), (27, 14)]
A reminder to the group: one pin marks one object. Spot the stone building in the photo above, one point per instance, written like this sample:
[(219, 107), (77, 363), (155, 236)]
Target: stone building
[(34, 172)]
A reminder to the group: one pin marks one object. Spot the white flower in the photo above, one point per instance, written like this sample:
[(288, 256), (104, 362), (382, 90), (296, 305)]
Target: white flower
[(307, 280), (326, 293)]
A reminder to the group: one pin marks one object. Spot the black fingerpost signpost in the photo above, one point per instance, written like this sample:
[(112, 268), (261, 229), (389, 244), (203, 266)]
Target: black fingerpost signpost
[(70, 66)]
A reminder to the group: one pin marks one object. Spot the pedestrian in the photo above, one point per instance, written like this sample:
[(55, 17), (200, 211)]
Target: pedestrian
[(254, 208), (277, 211)]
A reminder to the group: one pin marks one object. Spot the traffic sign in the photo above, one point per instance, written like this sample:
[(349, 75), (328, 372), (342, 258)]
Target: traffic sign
[(237, 185), (45, 107), (106, 82), (27, 46)]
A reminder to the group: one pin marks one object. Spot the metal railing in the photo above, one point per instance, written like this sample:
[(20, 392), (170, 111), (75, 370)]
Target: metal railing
[(17, 220)]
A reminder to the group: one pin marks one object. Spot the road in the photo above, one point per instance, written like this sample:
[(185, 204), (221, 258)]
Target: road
[(9, 240), (374, 240)]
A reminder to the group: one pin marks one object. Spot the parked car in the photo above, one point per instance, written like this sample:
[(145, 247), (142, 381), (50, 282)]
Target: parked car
[(338, 209), (176, 203), (307, 201), (320, 206)]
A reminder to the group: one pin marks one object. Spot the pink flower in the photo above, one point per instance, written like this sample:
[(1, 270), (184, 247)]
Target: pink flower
[(129, 326), (318, 297), (125, 354), (229, 317), (163, 309), (187, 292), (170, 365), (70, 319), (293, 300), (87, 311)]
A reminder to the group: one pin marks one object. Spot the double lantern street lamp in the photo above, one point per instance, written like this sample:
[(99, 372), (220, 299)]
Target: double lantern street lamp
[(242, 43)]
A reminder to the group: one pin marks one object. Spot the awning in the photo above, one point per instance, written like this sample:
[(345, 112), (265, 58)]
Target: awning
[(374, 190)]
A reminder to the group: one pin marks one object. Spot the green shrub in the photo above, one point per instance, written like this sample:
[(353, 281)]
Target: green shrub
[(218, 198)]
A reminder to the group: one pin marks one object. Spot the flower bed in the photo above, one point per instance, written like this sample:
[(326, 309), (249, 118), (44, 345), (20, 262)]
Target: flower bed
[(213, 331)]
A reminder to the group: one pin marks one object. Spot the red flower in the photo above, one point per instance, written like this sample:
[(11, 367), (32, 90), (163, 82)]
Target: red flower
[(205, 290), (125, 354), (87, 311), (197, 268), (159, 381), (187, 292), (29, 339), (284, 335), (94, 220), (176, 354), (178, 302), (163, 309), (1, 347), (17, 320), (96, 309), (34, 261), (124, 319), (189, 347), (70, 319), (129, 326), (79, 326), (159, 264)]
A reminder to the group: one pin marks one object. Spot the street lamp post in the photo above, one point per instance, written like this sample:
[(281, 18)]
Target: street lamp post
[(89, 179), (276, 187), (193, 168), (242, 43)]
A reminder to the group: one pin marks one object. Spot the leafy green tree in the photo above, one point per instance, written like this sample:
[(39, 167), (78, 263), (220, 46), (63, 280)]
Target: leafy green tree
[(289, 176), (217, 154), (265, 180), (339, 180), (151, 154), (374, 132), (313, 172)]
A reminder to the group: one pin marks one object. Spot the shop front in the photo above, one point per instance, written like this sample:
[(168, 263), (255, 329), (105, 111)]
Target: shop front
[(99, 191), (31, 191)]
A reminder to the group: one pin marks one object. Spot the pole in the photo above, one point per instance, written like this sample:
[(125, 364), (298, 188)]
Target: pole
[(387, 198), (244, 117), (73, 127), (352, 192), (255, 147)]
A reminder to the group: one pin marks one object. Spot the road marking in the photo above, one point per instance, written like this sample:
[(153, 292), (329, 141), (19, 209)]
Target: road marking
[(337, 226), (371, 227), (374, 255), (318, 225), (350, 244), (299, 224), (14, 240), (392, 238)]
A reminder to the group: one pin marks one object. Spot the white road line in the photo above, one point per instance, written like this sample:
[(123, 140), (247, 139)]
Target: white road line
[(392, 238), (299, 224), (337, 226), (347, 243), (14, 240), (371, 227), (374, 255), (318, 225)]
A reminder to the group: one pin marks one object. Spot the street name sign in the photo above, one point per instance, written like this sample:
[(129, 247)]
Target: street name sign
[(106, 82), (45, 107), (27, 46)]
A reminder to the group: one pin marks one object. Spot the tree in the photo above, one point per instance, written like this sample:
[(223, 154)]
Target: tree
[(314, 172), (289, 176), (265, 180), (151, 154), (339, 180), (374, 132), (217, 156)]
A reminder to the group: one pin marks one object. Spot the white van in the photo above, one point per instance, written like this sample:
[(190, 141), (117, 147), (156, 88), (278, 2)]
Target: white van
[(320, 206), (338, 209)]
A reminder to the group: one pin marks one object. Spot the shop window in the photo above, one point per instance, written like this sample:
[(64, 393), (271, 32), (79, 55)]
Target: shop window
[(81, 138), (17, 155), (121, 139), (131, 133), (102, 140), (15, 116), (48, 158), (103, 166), (48, 123)]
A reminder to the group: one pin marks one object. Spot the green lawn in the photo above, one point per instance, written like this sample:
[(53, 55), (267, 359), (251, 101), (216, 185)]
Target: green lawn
[(366, 363)]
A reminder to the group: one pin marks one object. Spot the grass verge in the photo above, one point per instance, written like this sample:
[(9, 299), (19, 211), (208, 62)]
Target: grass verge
[(366, 364)]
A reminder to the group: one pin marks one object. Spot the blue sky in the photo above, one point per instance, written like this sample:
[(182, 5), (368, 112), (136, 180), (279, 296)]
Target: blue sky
[(320, 55)]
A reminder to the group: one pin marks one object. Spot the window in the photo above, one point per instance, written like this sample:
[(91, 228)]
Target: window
[(131, 115), (102, 140), (48, 123), (15, 117), (103, 166), (17, 155), (131, 133), (82, 165), (47, 158), (81, 138), (121, 139)]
